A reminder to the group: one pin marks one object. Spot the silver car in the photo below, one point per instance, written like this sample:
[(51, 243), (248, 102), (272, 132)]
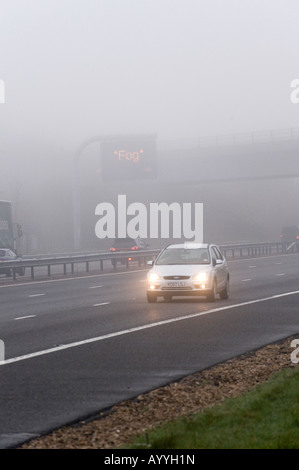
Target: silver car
[(188, 269), (8, 255)]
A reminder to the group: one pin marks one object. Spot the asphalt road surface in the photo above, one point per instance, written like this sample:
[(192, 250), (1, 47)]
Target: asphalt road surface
[(74, 346)]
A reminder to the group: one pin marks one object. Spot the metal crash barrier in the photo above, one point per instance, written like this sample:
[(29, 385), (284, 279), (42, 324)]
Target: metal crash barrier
[(230, 251)]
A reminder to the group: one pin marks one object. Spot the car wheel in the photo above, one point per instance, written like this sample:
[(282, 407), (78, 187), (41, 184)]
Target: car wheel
[(212, 295), (113, 262), (224, 294), (21, 271), (151, 297)]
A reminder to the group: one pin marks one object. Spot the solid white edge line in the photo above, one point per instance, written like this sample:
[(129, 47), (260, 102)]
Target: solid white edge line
[(75, 278), (140, 328)]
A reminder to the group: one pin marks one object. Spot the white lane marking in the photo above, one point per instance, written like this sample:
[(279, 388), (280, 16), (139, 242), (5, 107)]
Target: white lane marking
[(79, 278), (103, 303), (245, 280), (35, 295), (22, 318), (141, 328), (252, 266), (280, 274), (94, 287)]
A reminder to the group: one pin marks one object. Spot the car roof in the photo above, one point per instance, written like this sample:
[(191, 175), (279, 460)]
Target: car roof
[(188, 245), (4, 252)]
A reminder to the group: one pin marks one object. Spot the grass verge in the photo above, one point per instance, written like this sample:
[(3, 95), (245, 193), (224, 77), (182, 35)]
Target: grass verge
[(267, 417)]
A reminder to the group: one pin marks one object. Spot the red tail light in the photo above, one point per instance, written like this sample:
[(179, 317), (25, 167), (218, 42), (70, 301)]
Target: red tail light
[(112, 249)]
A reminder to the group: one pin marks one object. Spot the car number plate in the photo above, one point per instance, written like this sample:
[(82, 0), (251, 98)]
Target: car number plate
[(176, 284)]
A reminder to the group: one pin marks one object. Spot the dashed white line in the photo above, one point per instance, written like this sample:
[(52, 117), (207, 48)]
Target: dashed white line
[(245, 280), (143, 327), (102, 303), (22, 318), (94, 287), (280, 274), (35, 295)]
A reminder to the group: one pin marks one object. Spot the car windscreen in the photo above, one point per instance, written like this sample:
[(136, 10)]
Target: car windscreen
[(184, 256), (2, 253)]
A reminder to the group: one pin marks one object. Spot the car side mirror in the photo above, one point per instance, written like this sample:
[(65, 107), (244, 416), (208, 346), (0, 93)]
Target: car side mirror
[(150, 263)]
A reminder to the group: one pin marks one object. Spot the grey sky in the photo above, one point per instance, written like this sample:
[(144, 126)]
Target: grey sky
[(180, 68)]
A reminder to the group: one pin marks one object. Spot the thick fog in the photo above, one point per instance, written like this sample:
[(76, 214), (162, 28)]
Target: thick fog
[(211, 79)]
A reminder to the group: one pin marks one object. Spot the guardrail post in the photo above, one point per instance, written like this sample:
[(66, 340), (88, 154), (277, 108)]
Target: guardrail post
[(64, 268), (87, 266), (101, 268), (49, 270), (14, 273), (32, 272)]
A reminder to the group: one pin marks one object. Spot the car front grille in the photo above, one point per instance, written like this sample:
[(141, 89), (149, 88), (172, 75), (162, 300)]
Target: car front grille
[(176, 278)]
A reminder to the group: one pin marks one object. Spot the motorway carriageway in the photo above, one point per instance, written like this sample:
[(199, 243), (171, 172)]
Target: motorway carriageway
[(74, 346)]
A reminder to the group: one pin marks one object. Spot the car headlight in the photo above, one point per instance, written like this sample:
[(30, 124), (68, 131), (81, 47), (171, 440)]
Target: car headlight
[(200, 277), (152, 277)]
